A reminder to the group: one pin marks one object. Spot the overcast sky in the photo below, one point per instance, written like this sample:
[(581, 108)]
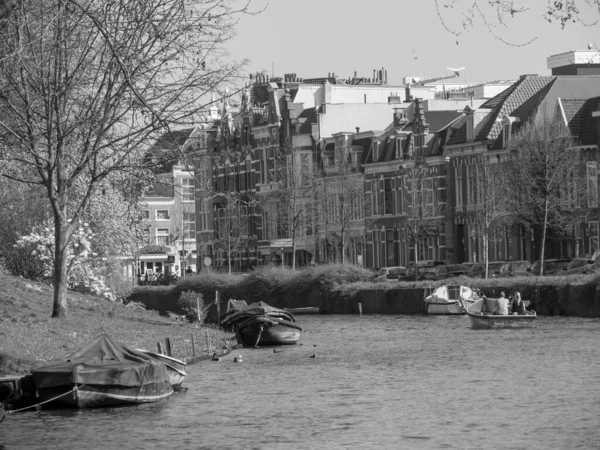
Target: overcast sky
[(314, 37)]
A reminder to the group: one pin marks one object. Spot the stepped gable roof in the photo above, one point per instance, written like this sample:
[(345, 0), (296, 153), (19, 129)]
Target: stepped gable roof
[(508, 100)]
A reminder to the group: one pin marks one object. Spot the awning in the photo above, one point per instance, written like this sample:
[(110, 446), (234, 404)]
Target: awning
[(279, 243), (153, 257)]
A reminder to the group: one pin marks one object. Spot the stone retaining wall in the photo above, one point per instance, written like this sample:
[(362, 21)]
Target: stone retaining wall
[(581, 301)]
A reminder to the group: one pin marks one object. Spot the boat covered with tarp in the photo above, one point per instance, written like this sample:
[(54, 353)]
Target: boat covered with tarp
[(451, 299), (175, 368), (103, 372), (262, 324), (481, 314)]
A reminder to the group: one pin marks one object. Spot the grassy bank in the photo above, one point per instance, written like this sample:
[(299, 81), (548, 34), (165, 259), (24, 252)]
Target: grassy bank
[(28, 336)]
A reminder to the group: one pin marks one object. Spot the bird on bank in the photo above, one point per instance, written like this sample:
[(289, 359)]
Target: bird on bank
[(238, 358), (215, 357), (314, 355)]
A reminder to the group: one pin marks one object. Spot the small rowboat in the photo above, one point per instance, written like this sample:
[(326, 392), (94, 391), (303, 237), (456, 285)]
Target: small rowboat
[(262, 324), (451, 299), (485, 319), (304, 310), (265, 330)]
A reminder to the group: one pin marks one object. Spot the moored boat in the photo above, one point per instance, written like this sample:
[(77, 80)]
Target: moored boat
[(102, 373), (262, 324), (451, 299), (175, 368), (481, 317), (304, 310)]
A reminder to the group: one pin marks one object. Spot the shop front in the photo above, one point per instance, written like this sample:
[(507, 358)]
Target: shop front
[(156, 259)]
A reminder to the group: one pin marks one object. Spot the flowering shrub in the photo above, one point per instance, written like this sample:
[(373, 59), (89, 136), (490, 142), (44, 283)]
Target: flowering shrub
[(84, 267)]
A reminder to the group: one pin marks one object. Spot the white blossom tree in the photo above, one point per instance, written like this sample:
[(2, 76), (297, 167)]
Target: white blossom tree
[(85, 85)]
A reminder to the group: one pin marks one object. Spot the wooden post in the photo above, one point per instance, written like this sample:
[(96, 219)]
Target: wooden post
[(218, 300), (168, 346), (207, 341), (159, 347), (193, 346), (360, 308), (198, 307)]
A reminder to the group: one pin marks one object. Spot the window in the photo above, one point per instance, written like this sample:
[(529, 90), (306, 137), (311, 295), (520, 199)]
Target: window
[(162, 236), (145, 214), (388, 195), (459, 185), (471, 185), (187, 189), (189, 225), (162, 214), (592, 183)]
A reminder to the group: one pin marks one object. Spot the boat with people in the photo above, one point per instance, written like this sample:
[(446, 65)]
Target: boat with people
[(451, 299), (103, 372), (262, 324), (481, 314), (175, 368)]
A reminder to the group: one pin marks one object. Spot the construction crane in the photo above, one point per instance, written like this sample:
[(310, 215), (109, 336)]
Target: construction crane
[(415, 81)]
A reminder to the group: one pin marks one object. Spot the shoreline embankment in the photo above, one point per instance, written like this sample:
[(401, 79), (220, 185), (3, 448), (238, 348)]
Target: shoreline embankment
[(546, 300)]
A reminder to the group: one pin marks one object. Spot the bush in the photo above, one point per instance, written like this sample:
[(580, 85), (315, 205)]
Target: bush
[(189, 302), (207, 283)]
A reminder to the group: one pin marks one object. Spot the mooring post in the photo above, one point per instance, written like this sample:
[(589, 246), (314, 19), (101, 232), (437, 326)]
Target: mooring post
[(168, 346), (159, 347), (218, 300), (193, 346), (360, 308), (198, 307), (207, 341)]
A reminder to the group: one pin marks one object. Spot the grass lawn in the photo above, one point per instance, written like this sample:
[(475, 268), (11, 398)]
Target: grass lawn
[(28, 336)]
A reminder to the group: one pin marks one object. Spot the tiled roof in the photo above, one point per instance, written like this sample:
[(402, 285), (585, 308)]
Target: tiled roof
[(578, 113), (509, 100)]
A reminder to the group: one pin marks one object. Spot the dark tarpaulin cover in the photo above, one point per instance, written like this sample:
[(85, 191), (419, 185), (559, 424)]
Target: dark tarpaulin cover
[(256, 309), (103, 361)]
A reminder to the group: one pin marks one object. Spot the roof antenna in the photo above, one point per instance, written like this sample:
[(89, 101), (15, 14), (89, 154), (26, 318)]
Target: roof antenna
[(272, 69)]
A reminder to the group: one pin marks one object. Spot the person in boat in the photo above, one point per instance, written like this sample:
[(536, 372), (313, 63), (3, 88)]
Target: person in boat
[(518, 306), (501, 305)]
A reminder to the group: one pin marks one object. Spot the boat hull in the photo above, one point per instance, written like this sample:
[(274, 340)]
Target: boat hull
[(251, 335), (175, 368), (92, 396), (486, 320), (445, 308), (304, 310)]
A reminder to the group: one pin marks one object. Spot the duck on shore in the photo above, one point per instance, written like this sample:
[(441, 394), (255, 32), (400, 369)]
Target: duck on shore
[(215, 357)]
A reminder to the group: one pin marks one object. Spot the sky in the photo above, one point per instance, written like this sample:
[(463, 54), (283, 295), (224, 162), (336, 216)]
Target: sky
[(315, 37)]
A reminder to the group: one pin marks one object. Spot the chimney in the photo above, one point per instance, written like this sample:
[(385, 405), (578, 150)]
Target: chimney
[(357, 130)]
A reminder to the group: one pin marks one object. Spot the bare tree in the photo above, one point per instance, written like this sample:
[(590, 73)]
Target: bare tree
[(295, 194), (492, 208), (231, 224), (545, 174), (423, 206), (85, 85), (340, 196), (459, 16)]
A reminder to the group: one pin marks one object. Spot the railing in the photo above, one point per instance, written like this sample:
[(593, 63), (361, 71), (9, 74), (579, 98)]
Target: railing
[(157, 279)]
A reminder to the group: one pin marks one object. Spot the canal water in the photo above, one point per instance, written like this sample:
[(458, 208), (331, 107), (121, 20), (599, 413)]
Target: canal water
[(414, 382)]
